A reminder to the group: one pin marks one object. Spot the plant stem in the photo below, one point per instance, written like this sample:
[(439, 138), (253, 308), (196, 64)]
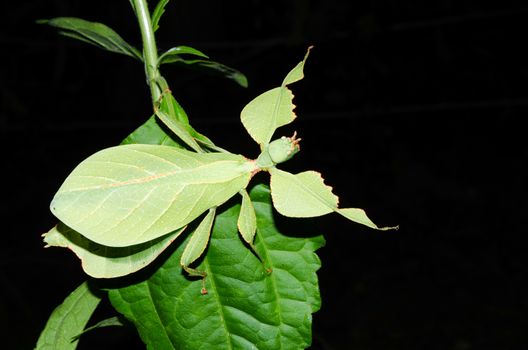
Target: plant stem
[(150, 51)]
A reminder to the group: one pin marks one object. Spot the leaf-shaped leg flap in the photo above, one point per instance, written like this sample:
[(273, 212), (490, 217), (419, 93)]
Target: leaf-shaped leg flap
[(272, 109), (196, 246), (247, 224), (306, 195), (247, 220)]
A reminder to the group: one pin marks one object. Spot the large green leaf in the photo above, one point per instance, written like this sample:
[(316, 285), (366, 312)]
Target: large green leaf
[(94, 33), (100, 261), (245, 308), (68, 320), (130, 194)]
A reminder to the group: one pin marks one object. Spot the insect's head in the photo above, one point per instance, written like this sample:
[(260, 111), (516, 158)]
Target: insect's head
[(278, 151), (282, 149)]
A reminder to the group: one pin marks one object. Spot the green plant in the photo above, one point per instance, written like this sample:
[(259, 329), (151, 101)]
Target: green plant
[(124, 206)]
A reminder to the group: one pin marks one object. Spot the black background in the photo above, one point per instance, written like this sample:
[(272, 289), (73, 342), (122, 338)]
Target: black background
[(411, 109)]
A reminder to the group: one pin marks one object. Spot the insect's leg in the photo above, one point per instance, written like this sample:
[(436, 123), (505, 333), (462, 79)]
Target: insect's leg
[(247, 225), (196, 246), (262, 260)]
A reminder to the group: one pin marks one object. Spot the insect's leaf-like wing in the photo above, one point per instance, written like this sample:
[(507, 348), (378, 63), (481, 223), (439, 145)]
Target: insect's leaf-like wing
[(100, 261), (272, 109), (131, 194), (306, 195), (68, 320)]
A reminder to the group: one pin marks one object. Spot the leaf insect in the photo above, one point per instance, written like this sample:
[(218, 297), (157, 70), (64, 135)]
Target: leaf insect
[(132, 200)]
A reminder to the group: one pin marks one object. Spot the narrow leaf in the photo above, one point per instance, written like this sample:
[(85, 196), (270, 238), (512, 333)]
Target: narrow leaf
[(173, 54), (272, 109), (179, 129), (246, 308), (100, 261), (199, 239), (247, 220), (68, 320), (131, 194), (97, 34), (175, 118), (208, 66), (109, 322), (306, 195), (159, 10)]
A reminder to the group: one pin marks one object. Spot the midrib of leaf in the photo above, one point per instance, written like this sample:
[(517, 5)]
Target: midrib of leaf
[(211, 278), (267, 259), (160, 321), (74, 306)]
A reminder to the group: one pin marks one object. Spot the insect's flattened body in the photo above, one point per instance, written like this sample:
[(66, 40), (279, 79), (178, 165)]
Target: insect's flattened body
[(146, 191)]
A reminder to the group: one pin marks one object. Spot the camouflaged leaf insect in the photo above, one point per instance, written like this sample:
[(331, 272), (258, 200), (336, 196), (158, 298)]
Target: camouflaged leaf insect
[(129, 195)]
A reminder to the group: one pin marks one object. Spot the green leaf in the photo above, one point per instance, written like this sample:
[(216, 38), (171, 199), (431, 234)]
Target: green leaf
[(173, 116), (93, 33), (130, 194), (179, 129), (246, 308), (207, 66), (173, 54), (109, 322), (306, 195), (152, 133), (159, 10), (272, 109), (100, 261), (68, 320)]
